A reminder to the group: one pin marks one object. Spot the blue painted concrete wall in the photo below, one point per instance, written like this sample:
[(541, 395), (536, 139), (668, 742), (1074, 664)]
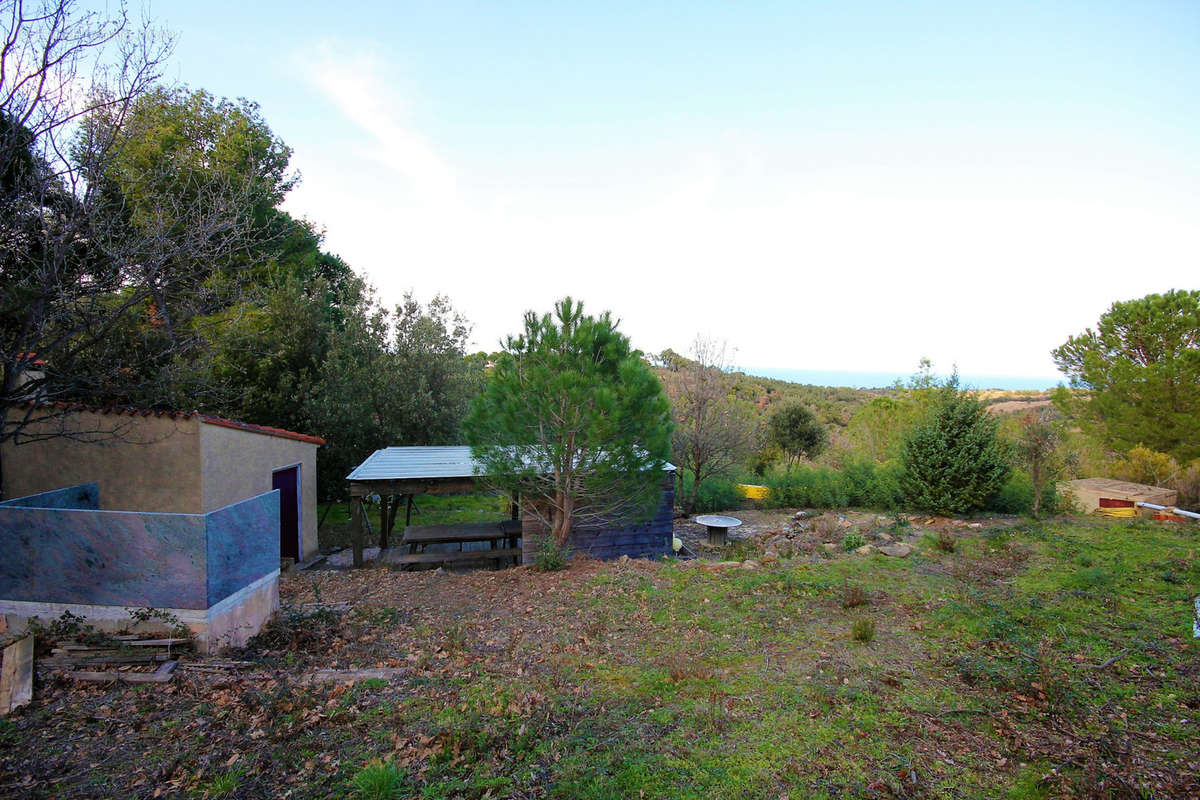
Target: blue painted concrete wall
[(102, 557), (126, 558), (243, 544), (85, 495)]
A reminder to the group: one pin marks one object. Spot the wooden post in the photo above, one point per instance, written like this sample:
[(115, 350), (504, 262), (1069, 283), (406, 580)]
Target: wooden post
[(356, 529), (393, 509), (16, 675), (515, 506), (385, 502), (408, 512)]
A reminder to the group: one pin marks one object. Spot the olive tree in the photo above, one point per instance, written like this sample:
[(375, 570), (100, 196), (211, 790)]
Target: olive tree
[(795, 430)]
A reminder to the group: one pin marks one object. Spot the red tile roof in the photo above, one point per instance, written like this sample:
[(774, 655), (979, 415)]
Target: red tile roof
[(266, 430), (208, 419)]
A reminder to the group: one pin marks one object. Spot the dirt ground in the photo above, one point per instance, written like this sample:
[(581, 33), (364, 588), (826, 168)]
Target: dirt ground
[(791, 535), (640, 678)]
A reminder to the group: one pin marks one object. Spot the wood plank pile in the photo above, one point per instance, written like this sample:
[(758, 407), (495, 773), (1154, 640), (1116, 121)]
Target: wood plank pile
[(132, 659)]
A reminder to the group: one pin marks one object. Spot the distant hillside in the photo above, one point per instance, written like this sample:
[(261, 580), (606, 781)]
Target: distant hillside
[(833, 405)]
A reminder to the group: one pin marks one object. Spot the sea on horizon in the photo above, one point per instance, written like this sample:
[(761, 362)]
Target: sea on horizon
[(883, 380)]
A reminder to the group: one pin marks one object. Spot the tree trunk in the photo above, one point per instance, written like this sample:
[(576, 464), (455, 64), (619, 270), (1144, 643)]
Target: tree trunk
[(356, 529), (690, 503), (562, 518), (1035, 476)]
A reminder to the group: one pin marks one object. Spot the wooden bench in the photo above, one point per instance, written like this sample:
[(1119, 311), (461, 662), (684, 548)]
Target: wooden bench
[(498, 555), (500, 537)]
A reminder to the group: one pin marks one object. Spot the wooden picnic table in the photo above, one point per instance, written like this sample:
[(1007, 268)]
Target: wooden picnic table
[(416, 537), (420, 535)]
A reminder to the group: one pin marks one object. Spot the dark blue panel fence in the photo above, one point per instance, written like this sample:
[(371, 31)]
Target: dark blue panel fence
[(648, 539)]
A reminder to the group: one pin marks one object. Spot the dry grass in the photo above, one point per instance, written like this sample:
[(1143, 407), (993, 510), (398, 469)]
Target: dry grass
[(854, 596)]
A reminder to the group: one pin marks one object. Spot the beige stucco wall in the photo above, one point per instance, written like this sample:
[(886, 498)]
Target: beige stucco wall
[(141, 463), (238, 464)]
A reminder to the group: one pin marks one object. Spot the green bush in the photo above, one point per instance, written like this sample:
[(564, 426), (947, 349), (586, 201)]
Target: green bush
[(853, 540), (716, 494), (808, 487), (953, 461), (860, 484), (870, 485), (863, 630), (379, 780), (550, 557), (1016, 496)]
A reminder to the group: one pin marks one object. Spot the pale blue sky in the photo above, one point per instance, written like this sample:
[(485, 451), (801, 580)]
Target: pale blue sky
[(840, 185)]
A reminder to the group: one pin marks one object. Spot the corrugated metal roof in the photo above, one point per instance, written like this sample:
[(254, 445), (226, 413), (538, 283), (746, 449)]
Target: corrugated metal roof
[(405, 463), (400, 463)]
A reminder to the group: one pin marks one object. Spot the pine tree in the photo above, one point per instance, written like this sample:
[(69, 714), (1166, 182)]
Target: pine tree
[(573, 420)]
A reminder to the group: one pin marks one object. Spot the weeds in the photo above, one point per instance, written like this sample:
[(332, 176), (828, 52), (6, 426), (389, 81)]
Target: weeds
[(854, 596), (863, 630), (300, 629), (379, 780), (224, 784), (681, 667), (550, 557), (67, 626), (718, 720), (826, 526), (456, 638), (945, 542), (852, 541), (173, 624)]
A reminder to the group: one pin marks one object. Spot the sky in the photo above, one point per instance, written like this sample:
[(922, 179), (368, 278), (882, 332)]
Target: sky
[(834, 186)]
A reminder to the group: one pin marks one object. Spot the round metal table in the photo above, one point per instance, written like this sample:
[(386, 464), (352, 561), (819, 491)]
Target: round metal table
[(718, 526)]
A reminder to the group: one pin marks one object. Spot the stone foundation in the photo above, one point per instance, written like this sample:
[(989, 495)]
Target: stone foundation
[(229, 623)]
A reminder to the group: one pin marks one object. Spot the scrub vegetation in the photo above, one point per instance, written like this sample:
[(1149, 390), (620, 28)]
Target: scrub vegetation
[(1038, 660)]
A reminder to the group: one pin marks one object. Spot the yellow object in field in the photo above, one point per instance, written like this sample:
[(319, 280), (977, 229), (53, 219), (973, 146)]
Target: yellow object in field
[(751, 491), (1117, 513)]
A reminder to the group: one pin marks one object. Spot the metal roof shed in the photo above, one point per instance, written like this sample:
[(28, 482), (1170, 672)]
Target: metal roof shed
[(396, 474), (415, 470), (419, 470), (399, 473)]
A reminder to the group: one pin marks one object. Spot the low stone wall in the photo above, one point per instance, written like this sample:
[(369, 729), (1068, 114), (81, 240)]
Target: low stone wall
[(217, 573), (648, 539)]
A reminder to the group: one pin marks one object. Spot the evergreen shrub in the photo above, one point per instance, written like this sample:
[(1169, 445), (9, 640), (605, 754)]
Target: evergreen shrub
[(953, 460)]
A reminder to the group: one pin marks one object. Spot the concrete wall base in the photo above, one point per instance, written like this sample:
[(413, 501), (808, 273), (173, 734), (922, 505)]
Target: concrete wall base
[(229, 623)]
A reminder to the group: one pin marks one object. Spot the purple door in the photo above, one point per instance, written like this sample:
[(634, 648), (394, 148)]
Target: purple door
[(287, 481)]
